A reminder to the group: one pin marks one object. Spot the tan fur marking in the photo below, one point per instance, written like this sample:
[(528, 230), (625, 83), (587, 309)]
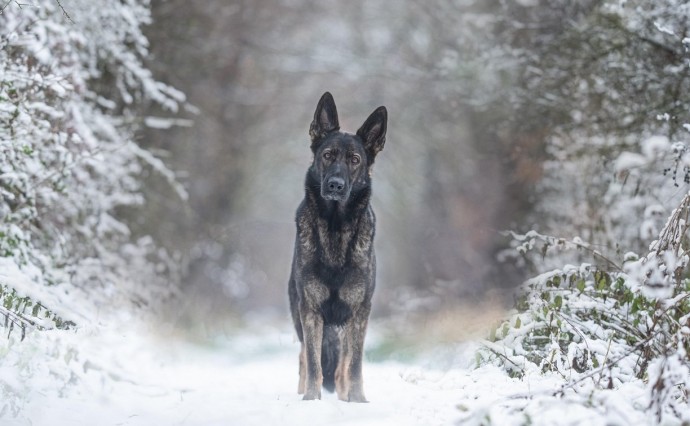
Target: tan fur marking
[(342, 374), (302, 370)]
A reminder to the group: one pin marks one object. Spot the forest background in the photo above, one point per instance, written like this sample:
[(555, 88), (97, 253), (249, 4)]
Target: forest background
[(153, 154)]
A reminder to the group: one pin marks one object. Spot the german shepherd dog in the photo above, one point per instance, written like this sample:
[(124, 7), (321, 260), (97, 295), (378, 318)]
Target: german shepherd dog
[(333, 268)]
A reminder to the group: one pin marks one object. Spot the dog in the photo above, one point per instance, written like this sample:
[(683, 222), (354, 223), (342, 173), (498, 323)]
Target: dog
[(333, 269)]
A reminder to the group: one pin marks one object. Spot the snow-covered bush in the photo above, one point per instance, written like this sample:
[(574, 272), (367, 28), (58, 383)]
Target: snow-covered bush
[(615, 166), (613, 78), (70, 85), (603, 327), (72, 82)]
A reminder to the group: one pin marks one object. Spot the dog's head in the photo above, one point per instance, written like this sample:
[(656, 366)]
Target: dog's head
[(342, 161)]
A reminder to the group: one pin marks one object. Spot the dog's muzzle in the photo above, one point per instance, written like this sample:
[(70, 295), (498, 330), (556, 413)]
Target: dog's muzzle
[(334, 188)]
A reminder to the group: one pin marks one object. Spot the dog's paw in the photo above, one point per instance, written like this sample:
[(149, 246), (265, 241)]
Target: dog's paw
[(311, 395), (357, 397)]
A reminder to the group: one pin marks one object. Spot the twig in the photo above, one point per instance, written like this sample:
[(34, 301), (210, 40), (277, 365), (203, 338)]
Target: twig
[(505, 357), (598, 254), (606, 357), (2, 9), (601, 369), (64, 12), (15, 318), (554, 241)]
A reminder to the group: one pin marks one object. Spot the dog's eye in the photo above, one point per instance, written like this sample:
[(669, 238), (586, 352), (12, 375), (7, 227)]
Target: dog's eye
[(327, 155), (355, 159)]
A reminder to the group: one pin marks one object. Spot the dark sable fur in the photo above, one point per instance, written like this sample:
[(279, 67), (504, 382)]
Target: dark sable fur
[(333, 268)]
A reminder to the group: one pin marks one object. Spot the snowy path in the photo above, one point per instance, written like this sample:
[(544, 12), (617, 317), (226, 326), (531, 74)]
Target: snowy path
[(134, 377), (247, 380)]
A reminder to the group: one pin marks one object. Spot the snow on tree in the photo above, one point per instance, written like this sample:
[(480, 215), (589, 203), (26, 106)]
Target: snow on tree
[(72, 82), (608, 81)]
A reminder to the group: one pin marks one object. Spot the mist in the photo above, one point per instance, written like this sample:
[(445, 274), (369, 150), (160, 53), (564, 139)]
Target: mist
[(253, 72)]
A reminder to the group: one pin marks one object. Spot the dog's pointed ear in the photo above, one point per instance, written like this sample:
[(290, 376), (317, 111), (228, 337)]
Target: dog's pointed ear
[(325, 118), (373, 132)]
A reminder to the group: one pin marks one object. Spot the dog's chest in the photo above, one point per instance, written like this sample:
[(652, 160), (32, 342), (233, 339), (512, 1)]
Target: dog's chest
[(335, 244)]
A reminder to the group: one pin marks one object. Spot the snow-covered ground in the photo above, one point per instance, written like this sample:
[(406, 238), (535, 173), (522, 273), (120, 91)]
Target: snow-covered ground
[(137, 376), (251, 379)]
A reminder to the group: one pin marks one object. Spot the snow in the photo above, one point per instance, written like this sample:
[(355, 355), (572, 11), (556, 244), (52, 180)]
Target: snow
[(23, 281), (247, 379), (655, 146), (166, 123), (81, 264), (144, 375), (664, 29), (629, 160)]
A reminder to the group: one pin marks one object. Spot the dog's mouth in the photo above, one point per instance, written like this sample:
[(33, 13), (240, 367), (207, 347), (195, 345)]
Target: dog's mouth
[(333, 196)]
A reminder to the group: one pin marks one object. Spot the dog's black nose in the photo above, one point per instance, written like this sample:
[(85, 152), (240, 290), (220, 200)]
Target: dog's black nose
[(336, 184)]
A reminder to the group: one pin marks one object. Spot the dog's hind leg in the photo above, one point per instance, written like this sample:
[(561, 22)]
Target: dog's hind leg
[(312, 327)]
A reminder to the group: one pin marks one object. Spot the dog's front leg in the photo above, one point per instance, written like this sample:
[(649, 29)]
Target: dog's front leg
[(357, 331), (302, 370), (312, 324), (342, 371)]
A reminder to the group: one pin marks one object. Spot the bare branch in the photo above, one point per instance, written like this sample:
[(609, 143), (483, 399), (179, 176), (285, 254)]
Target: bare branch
[(2, 9), (64, 12)]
